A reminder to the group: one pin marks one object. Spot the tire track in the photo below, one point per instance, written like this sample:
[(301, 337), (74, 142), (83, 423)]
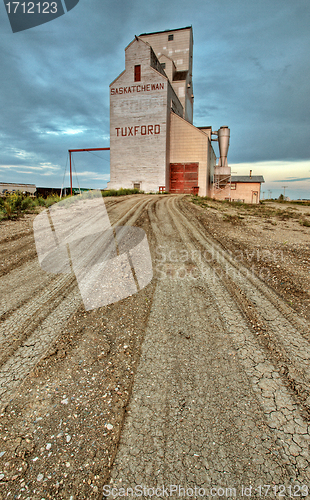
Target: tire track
[(277, 326), (19, 286), (25, 320), (32, 322), (195, 418), (284, 415), (270, 294)]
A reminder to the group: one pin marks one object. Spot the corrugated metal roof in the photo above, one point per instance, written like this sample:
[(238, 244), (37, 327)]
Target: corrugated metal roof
[(247, 178)]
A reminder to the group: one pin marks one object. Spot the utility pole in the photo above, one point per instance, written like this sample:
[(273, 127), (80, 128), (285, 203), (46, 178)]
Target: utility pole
[(263, 192), (70, 173), (284, 190)]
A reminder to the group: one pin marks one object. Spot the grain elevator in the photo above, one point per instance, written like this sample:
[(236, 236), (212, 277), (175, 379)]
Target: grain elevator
[(154, 145)]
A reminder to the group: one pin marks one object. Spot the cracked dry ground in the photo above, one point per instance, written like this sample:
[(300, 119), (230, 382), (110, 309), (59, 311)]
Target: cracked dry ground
[(199, 380)]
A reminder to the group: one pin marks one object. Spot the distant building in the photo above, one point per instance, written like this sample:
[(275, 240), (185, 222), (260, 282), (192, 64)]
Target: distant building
[(48, 191), (246, 188), (11, 187)]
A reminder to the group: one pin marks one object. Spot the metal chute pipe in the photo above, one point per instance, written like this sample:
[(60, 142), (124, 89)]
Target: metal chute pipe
[(223, 139)]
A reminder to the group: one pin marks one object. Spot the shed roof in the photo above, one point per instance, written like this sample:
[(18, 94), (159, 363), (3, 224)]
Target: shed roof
[(247, 178)]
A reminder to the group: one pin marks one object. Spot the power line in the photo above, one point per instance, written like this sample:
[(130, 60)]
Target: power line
[(76, 174), (97, 156), (63, 180)]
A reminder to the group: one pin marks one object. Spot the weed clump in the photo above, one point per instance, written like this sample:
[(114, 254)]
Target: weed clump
[(15, 205), (121, 192), (233, 219), (304, 222)]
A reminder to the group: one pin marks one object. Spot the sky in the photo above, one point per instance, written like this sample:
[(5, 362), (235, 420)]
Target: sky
[(251, 72)]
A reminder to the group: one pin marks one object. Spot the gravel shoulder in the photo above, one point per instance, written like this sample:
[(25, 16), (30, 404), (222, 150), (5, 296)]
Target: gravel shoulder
[(268, 239), (199, 380)]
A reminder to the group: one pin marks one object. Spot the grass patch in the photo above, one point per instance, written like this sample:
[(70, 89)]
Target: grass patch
[(246, 209), (15, 205), (203, 201), (233, 219), (300, 202), (121, 192)]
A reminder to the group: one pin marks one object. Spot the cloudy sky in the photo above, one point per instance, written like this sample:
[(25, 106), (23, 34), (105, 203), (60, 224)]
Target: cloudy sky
[(251, 72)]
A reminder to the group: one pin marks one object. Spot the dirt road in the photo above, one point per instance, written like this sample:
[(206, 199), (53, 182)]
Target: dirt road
[(201, 380)]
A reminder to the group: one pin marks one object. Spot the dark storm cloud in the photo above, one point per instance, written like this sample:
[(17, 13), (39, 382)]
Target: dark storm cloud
[(251, 72), (54, 86), (258, 75)]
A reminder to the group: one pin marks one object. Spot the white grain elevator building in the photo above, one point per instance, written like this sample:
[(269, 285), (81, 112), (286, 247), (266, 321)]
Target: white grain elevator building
[(153, 143)]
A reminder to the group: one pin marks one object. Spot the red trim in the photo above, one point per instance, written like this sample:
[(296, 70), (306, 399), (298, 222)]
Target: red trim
[(88, 149), (70, 173)]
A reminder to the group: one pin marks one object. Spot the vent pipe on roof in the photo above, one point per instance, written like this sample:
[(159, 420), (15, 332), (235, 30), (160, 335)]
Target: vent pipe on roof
[(250, 174)]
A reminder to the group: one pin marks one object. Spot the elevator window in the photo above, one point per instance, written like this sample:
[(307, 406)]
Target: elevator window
[(138, 73)]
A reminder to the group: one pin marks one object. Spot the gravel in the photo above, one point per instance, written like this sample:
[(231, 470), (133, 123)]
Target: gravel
[(199, 380)]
